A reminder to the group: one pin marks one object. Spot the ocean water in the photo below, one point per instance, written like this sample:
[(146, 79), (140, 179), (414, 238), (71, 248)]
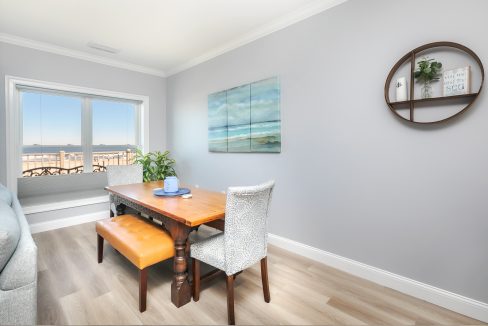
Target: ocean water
[(239, 138), (217, 139), (32, 149), (266, 137), (254, 137)]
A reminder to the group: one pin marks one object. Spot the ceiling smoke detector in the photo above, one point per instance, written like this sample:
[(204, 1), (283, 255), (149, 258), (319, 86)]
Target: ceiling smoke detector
[(104, 48)]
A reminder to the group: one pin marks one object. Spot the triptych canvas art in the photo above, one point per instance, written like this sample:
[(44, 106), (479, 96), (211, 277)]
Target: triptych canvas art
[(245, 118)]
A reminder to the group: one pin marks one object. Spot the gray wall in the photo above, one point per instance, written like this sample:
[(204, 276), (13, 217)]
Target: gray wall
[(352, 179), (28, 63)]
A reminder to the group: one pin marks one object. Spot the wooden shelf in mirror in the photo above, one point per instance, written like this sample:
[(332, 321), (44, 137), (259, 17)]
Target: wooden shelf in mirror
[(436, 99)]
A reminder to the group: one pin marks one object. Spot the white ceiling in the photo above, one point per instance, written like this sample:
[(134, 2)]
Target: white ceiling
[(155, 36)]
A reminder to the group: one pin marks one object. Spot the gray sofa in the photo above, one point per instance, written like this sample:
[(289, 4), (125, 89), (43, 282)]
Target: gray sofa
[(18, 264)]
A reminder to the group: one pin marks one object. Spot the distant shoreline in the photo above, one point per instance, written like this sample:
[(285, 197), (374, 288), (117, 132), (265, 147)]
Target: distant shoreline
[(251, 124), (37, 149)]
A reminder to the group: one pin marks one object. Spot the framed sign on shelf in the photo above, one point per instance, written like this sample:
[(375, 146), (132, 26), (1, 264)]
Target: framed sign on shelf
[(457, 81)]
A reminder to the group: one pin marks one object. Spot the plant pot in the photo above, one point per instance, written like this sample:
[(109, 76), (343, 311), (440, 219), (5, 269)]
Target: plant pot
[(426, 90)]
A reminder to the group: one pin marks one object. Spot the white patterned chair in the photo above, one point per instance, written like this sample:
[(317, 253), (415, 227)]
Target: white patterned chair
[(122, 175), (243, 242)]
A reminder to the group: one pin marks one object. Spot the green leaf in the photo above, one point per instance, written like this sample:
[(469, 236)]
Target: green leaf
[(156, 165), (428, 70)]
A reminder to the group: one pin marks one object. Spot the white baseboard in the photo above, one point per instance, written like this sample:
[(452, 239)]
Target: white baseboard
[(69, 221), (455, 302)]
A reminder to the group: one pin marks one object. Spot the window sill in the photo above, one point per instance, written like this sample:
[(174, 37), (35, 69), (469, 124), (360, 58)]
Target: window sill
[(39, 204)]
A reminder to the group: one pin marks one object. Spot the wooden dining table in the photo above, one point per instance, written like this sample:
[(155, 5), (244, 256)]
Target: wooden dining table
[(178, 215)]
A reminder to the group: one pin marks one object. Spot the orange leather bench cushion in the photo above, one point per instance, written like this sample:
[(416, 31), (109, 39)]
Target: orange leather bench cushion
[(139, 240)]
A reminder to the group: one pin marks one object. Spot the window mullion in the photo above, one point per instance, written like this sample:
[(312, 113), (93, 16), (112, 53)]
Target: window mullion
[(138, 127), (86, 135), (20, 135)]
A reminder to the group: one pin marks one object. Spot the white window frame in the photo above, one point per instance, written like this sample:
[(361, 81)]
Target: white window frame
[(13, 87)]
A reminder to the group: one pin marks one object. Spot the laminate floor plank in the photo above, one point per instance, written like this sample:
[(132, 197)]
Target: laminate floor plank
[(74, 289)]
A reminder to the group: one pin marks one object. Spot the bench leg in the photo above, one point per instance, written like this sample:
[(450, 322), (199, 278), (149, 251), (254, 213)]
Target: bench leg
[(142, 289), (100, 248)]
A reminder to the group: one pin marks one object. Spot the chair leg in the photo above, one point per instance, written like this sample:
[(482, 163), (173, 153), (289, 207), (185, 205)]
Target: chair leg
[(235, 275), (120, 208), (195, 264), (100, 248), (264, 278), (142, 289), (230, 300)]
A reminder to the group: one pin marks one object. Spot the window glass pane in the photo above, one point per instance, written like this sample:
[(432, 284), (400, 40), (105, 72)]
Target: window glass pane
[(114, 133), (51, 134)]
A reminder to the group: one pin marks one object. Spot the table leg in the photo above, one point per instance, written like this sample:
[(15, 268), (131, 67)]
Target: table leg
[(180, 287)]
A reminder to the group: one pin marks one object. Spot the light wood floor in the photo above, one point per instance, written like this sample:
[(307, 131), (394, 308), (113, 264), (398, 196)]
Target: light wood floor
[(74, 289)]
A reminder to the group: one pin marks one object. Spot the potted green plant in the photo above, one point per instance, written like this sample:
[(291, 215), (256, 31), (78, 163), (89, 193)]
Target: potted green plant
[(156, 165), (428, 71)]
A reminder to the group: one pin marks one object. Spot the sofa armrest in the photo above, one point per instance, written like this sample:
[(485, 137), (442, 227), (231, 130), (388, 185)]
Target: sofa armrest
[(21, 269)]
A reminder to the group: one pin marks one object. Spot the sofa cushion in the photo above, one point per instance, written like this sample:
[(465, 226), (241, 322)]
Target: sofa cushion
[(5, 195), (9, 233)]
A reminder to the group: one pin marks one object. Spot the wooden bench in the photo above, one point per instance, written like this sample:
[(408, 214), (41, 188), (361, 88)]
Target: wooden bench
[(140, 241)]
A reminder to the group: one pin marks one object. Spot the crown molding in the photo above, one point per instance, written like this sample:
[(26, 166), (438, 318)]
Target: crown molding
[(301, 14), (51, 48)]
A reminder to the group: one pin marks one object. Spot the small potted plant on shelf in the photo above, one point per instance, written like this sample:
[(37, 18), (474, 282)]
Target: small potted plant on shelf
[(155, 165), (428, 71)]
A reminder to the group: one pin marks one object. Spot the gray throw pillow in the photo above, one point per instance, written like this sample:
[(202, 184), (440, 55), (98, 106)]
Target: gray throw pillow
[(5, 195), (9, 233)]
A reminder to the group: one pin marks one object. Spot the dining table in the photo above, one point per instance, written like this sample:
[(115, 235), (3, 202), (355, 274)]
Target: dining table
[(179, 216)]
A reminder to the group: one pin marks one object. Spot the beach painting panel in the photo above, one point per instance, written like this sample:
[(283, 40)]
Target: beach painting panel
[(217, 122), (246, 118), (265, 116), (239, 119)]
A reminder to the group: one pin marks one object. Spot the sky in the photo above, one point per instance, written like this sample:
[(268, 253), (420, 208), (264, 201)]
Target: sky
[(251, 103), (51, 119), (217, 110), (239, 105)]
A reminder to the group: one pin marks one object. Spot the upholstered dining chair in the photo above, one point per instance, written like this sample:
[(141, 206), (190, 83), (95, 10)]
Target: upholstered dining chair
[(242, 244), (123, 175)]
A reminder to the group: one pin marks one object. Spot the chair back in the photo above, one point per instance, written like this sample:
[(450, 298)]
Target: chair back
[(124, 174), (245, 234)]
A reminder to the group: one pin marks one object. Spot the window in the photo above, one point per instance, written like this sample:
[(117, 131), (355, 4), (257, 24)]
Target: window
[(51, 107), (66, 133), (115, 135), (51, 134)]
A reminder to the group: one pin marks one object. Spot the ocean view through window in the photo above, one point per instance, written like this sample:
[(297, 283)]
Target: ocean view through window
[(66, 133)]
